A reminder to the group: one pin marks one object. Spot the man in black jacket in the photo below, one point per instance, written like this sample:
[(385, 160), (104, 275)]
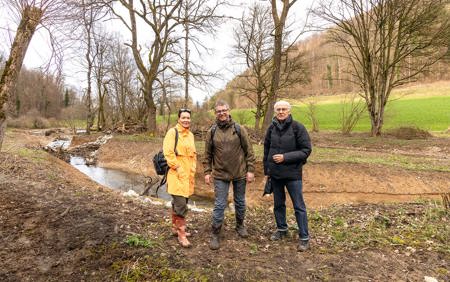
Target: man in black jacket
[(286, 148)]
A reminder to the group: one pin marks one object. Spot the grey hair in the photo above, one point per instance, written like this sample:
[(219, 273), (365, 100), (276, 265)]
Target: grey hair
[(282, 103), (221, 103)]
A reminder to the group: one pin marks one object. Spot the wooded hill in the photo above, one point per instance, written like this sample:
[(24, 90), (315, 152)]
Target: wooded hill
[(327, 73)]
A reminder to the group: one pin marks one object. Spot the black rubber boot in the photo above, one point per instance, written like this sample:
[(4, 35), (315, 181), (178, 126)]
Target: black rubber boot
[(214, 244), (240, 228)]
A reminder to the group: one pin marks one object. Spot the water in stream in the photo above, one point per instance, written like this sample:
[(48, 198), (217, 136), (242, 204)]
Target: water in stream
[(119, 180), (116, 179)]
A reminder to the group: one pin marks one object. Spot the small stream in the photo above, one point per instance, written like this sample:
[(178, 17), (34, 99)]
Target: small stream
[(120, 180), (117, 179)]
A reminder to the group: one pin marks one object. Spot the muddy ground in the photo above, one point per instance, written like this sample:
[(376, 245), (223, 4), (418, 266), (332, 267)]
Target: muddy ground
[(58, 225), (327, 181)]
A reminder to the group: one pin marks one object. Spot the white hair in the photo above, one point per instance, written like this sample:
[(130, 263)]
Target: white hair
[(282, 103)]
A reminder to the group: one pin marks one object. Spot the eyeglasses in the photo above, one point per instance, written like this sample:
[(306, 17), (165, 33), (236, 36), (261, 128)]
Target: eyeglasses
[(221, 111), (183, 110), (281, 109)]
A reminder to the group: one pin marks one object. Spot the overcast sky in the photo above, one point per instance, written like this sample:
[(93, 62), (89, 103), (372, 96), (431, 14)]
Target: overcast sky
[(38, 52)]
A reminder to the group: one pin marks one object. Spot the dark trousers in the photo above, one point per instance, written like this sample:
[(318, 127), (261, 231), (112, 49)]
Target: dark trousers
[(179, 205), (294, 188)]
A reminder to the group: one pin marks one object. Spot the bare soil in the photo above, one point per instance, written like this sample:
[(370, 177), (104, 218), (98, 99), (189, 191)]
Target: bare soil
[(325, 183), (58, 225)]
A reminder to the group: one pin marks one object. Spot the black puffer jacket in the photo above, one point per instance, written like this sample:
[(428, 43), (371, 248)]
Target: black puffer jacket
[(291, 139)]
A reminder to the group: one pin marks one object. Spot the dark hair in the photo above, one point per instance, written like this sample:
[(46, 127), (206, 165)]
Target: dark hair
[(183, 110)]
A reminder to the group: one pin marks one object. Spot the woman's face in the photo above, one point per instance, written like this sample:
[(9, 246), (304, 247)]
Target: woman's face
[(185, 119)]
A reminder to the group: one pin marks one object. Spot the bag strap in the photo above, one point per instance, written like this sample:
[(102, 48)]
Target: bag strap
[(176, 141), (237, 129), (296, 130)]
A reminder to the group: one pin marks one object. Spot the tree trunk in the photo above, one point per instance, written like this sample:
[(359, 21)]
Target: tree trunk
[(148, 96), (2, 126), (273, 95), (259, 110), (186, 60), (101, 120), (89, 117), (152, 117), (279, 22), (376, 120), (31, 17)]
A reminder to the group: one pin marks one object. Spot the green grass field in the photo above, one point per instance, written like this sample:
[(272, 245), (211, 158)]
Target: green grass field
[(429, 113)]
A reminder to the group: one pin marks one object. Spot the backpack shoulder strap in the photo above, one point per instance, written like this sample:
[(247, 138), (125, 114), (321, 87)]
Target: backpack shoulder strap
[(237, 128), (176, 141), (269, 130), (296, 129), (213, 129)]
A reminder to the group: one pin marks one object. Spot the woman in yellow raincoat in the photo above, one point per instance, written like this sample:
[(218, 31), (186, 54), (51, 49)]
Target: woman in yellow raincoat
[(182, 162)]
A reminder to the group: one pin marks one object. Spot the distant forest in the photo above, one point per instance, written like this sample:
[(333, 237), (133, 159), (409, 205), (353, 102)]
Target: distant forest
[(327, 73)]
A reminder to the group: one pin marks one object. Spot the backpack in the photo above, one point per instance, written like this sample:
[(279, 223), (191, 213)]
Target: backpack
[(237, 129), (160, 162), (161, 166)]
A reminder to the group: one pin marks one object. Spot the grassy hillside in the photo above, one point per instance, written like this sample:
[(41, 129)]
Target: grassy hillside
[(426, 107)]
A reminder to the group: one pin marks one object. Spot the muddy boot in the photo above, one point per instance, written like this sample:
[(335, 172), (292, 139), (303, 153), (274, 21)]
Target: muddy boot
[(181, 230), (240, 228), (214, 244), (174, 226), (278, 235), (303, 245)]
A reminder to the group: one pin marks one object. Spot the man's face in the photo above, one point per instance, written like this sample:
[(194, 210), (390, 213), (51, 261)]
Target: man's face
[(282, 112), (222, 113)]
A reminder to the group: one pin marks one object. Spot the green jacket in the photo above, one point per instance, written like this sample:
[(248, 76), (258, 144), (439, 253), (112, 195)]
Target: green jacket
[(226, 158)]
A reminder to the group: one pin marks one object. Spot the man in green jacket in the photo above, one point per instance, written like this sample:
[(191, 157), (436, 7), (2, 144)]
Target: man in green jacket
[(229, 158)]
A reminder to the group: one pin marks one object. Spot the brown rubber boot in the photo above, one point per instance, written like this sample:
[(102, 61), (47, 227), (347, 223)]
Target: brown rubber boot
[(174, 226), (181, 230)]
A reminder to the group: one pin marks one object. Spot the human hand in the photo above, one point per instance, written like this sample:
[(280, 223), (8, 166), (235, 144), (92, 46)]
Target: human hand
[(278, 158), (208, 179), (250, 177)]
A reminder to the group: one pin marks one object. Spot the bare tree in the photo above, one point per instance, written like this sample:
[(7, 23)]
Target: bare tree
[(311, 112), (160, 17), (31, 14), (279, 21), (88, 18), (255, 43), (198, 17), (102, 73), (351, 112), (380, 37)]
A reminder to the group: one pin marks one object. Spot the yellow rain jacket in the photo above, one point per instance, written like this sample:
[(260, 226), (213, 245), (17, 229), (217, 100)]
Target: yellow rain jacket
[(181, 182)]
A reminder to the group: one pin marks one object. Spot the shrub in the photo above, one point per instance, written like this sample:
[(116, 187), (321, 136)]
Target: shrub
[(32, 119)]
